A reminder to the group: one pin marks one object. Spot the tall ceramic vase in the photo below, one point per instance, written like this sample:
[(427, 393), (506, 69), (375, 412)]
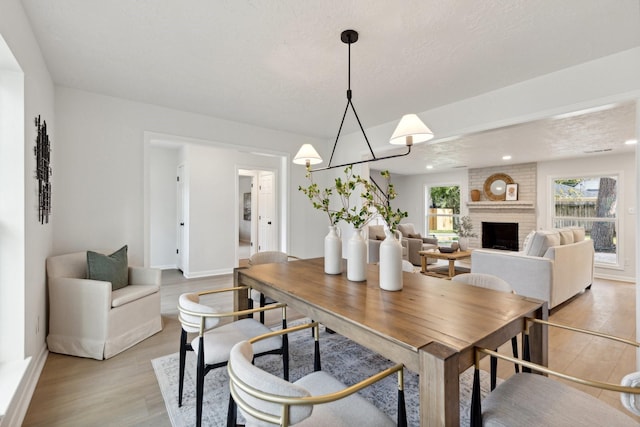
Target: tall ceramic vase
[(390, 263), (333, 251), (357, 257)]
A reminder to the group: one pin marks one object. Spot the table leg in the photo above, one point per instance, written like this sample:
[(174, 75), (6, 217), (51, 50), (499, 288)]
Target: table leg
[(539, 339), (439, 386), (423, 264), (240, 298), (452, 268)]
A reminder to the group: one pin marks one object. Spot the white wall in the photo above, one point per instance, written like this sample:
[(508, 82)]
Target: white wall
[(31, 240), (213, 192), (100, 201), (163, 165), (624, 165)]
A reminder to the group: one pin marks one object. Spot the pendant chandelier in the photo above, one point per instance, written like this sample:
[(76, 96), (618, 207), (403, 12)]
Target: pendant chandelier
[(411, 130)]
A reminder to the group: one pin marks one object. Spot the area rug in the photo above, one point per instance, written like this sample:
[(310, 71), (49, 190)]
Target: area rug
[(343, 358)]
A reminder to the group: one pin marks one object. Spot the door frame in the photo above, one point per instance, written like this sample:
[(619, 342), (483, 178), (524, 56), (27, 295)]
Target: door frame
[(278, 214)]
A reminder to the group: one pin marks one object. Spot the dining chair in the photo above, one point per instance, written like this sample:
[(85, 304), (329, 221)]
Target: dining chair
[(266, 257), (213, 343), (316, 399), (536, 399), (495, 283)]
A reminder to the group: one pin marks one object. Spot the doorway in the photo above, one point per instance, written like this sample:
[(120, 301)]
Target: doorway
[(257, 212)]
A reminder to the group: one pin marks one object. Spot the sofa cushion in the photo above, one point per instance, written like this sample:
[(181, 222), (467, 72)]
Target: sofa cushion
[(414, 236), (109, 268), (406, 229), (527, 241), (566, 236), (375, 230), (541, 241), (130, 293), (578, 234)]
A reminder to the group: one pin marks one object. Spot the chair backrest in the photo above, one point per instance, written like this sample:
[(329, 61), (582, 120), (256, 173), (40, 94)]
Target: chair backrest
[(72, 265), (631, 401), (249, 384), (374, 231), (482, 280), (268, 257), (406, 229), (191, 302)]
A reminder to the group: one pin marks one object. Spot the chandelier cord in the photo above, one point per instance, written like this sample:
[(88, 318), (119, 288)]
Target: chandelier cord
[(353, 108)]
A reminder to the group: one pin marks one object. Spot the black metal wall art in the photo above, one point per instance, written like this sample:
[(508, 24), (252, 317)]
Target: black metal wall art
[(42, 150)]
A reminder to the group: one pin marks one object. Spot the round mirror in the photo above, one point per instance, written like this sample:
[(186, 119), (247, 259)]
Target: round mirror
[(495, 186)]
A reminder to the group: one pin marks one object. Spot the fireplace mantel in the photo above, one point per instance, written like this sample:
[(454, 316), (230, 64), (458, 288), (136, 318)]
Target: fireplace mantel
[(516, 204)]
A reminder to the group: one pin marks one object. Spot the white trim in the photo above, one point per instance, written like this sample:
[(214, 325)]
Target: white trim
[(207, 273), (17, 409), (165, 267), (626, 279)]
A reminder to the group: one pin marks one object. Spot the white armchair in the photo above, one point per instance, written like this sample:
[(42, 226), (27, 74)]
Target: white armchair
[(89, 319)]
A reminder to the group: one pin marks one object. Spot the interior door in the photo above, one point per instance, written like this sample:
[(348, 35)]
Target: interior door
[(180, 230), (266, 213)]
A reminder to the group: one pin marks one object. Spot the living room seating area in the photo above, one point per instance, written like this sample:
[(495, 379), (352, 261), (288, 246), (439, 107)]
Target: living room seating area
[(554, 265)]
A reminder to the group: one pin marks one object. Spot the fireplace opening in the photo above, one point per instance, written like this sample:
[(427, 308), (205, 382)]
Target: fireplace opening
[(500, 235)]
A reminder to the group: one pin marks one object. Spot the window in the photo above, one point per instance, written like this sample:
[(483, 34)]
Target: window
[(443, 212), (590, 202)]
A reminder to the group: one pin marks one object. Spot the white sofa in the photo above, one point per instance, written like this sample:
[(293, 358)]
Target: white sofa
[(88, 319), (552, 267)]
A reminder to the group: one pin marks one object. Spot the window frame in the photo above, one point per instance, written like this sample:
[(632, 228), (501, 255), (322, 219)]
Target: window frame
[(427, 203), (617, 221)]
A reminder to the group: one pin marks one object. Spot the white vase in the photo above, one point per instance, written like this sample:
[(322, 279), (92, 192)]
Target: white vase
[(357, 257), (390, 263), (463, 243), (333, 251)]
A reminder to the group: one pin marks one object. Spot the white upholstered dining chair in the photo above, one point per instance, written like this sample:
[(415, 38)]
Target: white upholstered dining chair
[(213, 343), (315, 400), (540, 400), (489, 281)]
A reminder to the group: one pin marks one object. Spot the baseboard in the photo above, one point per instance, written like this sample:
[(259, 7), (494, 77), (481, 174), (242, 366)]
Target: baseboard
[(165, 267), (208, 273), (614, 277), (17, 409)]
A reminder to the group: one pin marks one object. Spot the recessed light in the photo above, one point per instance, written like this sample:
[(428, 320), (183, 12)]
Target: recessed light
[(429, 166), (507, 157), (631, 141)]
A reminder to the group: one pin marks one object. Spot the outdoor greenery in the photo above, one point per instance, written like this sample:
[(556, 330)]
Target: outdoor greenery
[(446, 197), (573, 200)]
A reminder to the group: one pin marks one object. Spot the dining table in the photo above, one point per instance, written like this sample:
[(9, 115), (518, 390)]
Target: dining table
[(431, 325)]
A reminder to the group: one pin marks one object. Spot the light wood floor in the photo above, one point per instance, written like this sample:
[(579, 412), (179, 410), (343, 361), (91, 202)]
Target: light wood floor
[(123, 390)]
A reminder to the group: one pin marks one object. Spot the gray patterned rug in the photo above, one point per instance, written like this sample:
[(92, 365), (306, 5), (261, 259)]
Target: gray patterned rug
[(341, 357)]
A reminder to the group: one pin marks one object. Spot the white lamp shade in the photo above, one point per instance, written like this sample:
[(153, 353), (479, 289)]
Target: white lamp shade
[(307, 155), (411, 126)]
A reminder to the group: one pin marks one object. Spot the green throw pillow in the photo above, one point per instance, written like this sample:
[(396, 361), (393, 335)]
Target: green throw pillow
[(112, 268)]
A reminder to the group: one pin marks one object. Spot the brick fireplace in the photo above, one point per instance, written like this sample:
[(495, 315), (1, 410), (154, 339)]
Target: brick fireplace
[(521, 212)]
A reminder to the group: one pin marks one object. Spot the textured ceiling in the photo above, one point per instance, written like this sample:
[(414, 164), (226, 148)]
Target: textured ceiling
[(280, 63)]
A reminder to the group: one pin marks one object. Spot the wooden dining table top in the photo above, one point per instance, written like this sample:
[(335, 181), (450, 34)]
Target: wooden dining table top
[(426, 310)]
